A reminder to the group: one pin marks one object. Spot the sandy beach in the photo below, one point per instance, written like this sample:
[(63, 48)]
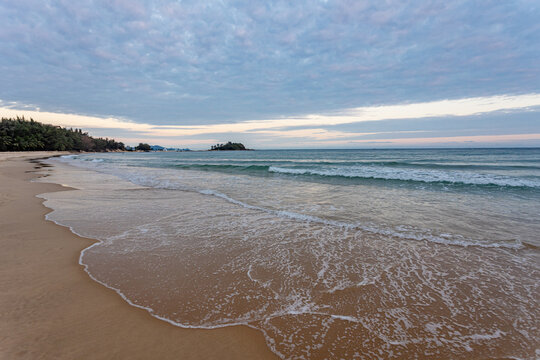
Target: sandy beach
[(51, 309)]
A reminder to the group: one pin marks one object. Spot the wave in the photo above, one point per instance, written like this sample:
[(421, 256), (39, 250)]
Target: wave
[(256, 164), (218, 167), (403, 232), (400, 233), (454, 173), (426, 176), (72, 156), (390, 171)]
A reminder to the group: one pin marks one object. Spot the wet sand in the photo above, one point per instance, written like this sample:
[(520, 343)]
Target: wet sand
[(51, 309)]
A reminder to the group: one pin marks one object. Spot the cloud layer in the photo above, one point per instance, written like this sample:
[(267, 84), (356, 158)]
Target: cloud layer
[(500, 119), (194, 62)]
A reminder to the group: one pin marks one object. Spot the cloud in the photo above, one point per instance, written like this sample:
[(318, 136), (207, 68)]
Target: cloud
[(203, 63), (325, 129), (451, 140)]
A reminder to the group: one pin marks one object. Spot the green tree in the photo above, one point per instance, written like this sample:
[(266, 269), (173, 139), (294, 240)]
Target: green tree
[(228, 146), (143, 147), (20, 134)]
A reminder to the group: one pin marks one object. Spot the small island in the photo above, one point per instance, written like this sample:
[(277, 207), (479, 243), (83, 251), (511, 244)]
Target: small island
[(228, 146)]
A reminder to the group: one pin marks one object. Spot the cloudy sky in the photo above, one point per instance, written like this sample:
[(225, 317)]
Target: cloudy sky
[(277, 74)]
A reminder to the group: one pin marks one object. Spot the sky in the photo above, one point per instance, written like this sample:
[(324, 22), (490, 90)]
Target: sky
[(277, 74)]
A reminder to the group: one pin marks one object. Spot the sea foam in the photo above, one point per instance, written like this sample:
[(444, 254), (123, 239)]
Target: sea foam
[(401, 174)]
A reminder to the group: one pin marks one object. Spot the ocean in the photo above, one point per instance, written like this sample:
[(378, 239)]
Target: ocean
[(421, 253)]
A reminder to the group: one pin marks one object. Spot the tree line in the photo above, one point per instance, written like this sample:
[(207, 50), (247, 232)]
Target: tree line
[(20, 134)]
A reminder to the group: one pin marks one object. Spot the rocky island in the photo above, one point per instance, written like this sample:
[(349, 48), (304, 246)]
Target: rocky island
[(228, 146)]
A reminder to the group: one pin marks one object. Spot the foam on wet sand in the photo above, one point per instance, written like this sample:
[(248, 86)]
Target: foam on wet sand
[(51, 309)]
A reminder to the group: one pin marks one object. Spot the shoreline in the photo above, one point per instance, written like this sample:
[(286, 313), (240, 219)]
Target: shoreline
[(51, 308)]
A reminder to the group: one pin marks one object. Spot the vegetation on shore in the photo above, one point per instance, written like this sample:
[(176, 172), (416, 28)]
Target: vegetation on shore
[(143, 147), (20, 134), (228, 146)]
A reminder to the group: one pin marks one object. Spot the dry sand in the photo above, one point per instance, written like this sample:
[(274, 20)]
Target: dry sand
[(51, 309)]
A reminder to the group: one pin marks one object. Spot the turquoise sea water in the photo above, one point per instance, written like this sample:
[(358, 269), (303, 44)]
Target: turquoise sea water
[(330, 253), (487, 196)]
